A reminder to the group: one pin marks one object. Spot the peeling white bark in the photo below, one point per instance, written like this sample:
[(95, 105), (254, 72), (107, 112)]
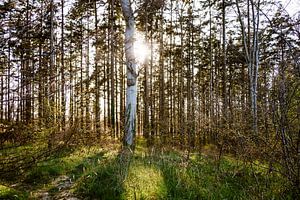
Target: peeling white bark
[(131, 91)]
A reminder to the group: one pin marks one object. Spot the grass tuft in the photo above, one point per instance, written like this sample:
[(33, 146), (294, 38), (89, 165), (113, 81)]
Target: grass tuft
[(8, 193), (144, 182)]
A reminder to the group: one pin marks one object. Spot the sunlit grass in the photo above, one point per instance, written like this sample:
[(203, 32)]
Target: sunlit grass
[(101, 173), (8, 193), (28, 149), (144, 182)]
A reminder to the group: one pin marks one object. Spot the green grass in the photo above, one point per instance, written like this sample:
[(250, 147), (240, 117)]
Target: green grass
[(11, 194), (169, 176), (105, 173)]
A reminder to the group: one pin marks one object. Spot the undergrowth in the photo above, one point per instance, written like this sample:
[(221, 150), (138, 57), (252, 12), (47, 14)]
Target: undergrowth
[(155, 173)]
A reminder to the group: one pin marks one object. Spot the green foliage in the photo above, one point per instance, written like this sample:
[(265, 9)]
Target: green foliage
[(8, 193)]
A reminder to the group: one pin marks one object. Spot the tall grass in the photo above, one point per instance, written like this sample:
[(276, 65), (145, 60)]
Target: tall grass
[(100, 173)]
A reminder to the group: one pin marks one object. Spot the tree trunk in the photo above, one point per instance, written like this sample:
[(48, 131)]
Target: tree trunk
[(112, 71), (252, 55), (131, 91), (87, 72), (63, 99), (81, 77), (51, 71), (146, 97), (224, 73), (97, 89), (162, 116)]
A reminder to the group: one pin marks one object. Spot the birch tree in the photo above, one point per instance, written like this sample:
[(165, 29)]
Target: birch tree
[(251, 47), (131, 90)]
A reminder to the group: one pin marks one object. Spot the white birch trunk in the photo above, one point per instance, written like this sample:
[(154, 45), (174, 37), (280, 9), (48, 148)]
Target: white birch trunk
[(131, 91), (252, 57)]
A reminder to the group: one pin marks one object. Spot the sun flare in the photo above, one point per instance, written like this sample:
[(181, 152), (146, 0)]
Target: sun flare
[(141, 48)]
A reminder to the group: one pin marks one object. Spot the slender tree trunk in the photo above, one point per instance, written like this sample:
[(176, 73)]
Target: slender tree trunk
[(112, 69), (97, 89), (210, 105), (122, 92), (81, 77), (63, 98), (41, 72), (51, 75), (224, 72), (105, 86), (181, 119), (131, 91), (252, 55), (192, 89), (152, 99), (72, 110), (87, 71), (172, 77), (2, 99), (146, 97), (27, 72), (162, 116), (108, 74), (8, 85)]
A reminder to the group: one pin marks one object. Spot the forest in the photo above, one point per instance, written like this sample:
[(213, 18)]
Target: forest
[(149, 99)]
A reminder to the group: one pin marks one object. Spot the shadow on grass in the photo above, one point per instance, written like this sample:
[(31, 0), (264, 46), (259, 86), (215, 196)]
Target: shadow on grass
[(158, 175), (18, 183), (199, 180), (43, 172), (36, 170), (46, 175), (179, 181), (166, 175), (106, 181), (163, 176)]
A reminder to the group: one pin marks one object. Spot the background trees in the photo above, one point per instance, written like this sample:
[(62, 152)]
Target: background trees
[(210, 64)]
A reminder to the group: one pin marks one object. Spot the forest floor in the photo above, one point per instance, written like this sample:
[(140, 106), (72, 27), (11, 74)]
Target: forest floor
[(105, 172)]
